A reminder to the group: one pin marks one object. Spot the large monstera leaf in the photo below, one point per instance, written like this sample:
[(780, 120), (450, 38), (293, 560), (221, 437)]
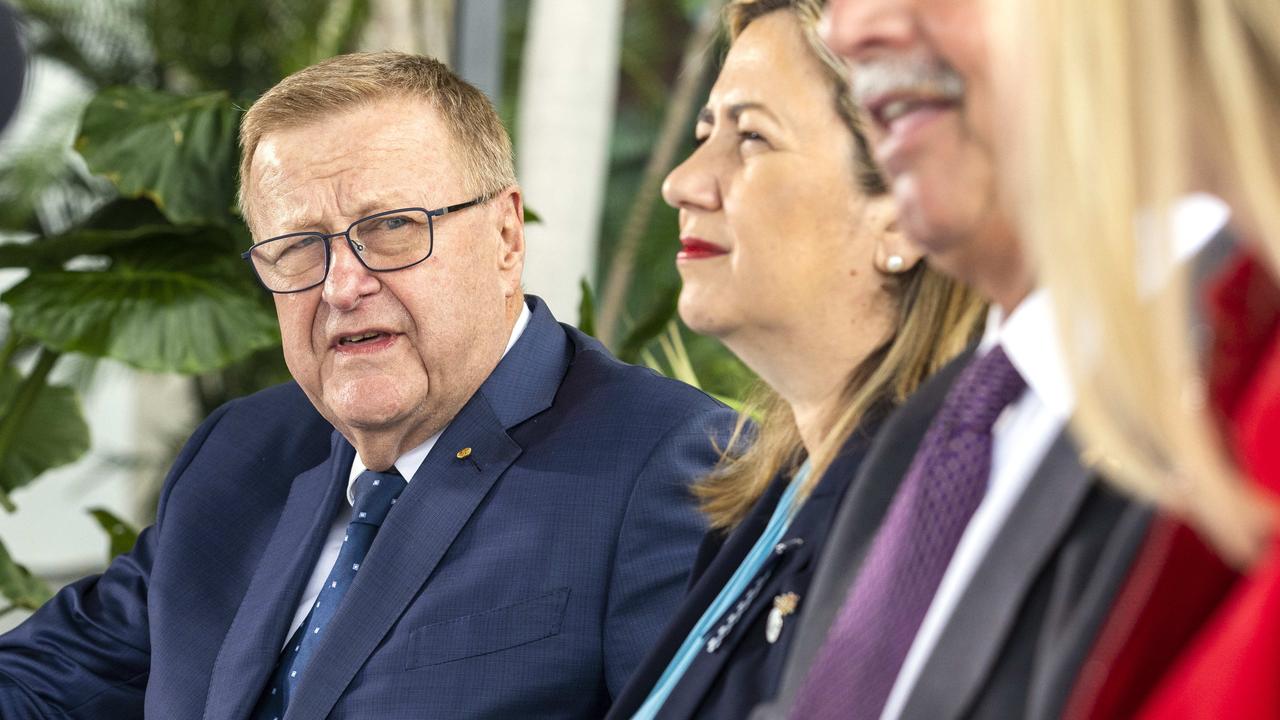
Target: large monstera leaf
[(117, 225), (177, 151), (153, 295), (42, 428), (122, 536), (18, 585), (153, 317)]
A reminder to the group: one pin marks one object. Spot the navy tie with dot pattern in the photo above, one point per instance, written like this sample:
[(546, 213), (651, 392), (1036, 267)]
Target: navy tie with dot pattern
[(854, 671), (375, 493)]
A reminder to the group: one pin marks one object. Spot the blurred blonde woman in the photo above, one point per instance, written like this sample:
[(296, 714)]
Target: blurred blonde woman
[(790, 255), (1117, 110)]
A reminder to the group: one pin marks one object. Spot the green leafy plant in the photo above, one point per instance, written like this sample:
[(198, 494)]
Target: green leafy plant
[(140, 264), (178, 151), (123, 535), (22, 589), (152, 280), (41, 429), (669, 57)]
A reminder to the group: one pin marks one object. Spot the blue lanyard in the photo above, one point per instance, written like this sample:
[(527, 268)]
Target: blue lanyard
[(702, 633)]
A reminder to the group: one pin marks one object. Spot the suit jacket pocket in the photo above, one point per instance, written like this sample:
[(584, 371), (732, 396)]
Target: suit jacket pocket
[(488, 631)]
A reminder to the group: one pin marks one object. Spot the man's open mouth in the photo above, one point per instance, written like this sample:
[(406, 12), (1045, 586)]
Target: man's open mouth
[(361, 338)]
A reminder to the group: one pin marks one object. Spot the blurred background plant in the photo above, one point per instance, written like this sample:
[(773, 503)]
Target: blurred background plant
[(119, 218), (120, 213)]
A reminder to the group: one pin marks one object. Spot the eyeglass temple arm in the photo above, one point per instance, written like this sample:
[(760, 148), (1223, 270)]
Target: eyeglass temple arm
[(459, 206)]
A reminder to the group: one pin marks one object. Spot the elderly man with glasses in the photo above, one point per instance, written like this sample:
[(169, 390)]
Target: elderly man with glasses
[(488, 516)]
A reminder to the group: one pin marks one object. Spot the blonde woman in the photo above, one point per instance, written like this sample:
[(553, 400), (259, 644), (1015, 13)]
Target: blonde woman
[(1117, 110), (791, 256)]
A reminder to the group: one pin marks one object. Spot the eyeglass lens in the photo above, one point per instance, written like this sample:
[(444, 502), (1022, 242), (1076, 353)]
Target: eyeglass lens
[(387, 241)]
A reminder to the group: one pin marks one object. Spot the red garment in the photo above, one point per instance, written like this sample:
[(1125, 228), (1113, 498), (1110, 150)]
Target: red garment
[(1176, 583), (1188, 638)]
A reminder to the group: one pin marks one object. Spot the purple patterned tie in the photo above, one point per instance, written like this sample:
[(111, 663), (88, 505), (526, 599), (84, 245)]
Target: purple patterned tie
[(856, 668)]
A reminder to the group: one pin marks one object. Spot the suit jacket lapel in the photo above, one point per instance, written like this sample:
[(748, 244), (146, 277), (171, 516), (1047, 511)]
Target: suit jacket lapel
[(252, 644), (429, 514), (969, 645), (857, 520), (700, 595), (809, 528), (783, 576), (433, 509)]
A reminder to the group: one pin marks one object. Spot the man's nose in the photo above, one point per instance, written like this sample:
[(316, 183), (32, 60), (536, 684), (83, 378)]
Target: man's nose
[(349, 280), (859, 29)]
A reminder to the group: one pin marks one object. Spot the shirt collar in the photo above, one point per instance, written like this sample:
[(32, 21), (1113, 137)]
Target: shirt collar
[(407, 464), (1030, 339)]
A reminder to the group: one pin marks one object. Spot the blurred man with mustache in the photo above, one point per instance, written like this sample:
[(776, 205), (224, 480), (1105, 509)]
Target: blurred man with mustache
[(974, 557)]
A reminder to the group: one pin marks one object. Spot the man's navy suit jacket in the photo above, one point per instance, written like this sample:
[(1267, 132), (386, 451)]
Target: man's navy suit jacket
[(526, 579)]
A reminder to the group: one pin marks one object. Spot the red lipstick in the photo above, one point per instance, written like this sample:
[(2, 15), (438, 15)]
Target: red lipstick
[(692, 248)]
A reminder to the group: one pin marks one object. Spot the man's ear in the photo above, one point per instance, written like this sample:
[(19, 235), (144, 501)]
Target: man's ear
[(895, 252), (510, 207)]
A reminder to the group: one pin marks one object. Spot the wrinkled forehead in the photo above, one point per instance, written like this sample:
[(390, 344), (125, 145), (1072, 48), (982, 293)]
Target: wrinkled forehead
[(327, 173)]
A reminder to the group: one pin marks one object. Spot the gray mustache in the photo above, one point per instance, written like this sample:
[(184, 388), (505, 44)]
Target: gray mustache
[(875, 78)]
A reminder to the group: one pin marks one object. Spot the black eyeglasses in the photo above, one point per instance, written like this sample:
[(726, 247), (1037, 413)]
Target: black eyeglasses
[(383, 242)]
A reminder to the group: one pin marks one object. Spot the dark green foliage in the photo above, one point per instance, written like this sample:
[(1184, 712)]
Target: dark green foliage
[(122, 535), (19, 586), (42, 427), (177, 151), (141, 262), (587, 309), (158, 319), (654, 36)]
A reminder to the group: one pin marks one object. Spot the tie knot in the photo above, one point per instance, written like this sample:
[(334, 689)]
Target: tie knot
[(985, 389), (375, 493)]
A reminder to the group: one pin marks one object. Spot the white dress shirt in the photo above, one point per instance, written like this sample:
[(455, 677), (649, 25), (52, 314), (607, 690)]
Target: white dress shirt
[(407, 465), (1021, 438)]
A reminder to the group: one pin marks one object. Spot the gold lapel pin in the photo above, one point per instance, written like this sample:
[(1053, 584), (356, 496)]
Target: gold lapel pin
[(783, 605), (464, 453)]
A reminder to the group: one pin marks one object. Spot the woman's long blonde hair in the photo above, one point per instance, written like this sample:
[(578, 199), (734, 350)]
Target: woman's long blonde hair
[(937, 319), (1121, 107)]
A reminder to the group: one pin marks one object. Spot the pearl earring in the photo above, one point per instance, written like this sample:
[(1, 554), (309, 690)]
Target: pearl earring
[(894, 263)]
